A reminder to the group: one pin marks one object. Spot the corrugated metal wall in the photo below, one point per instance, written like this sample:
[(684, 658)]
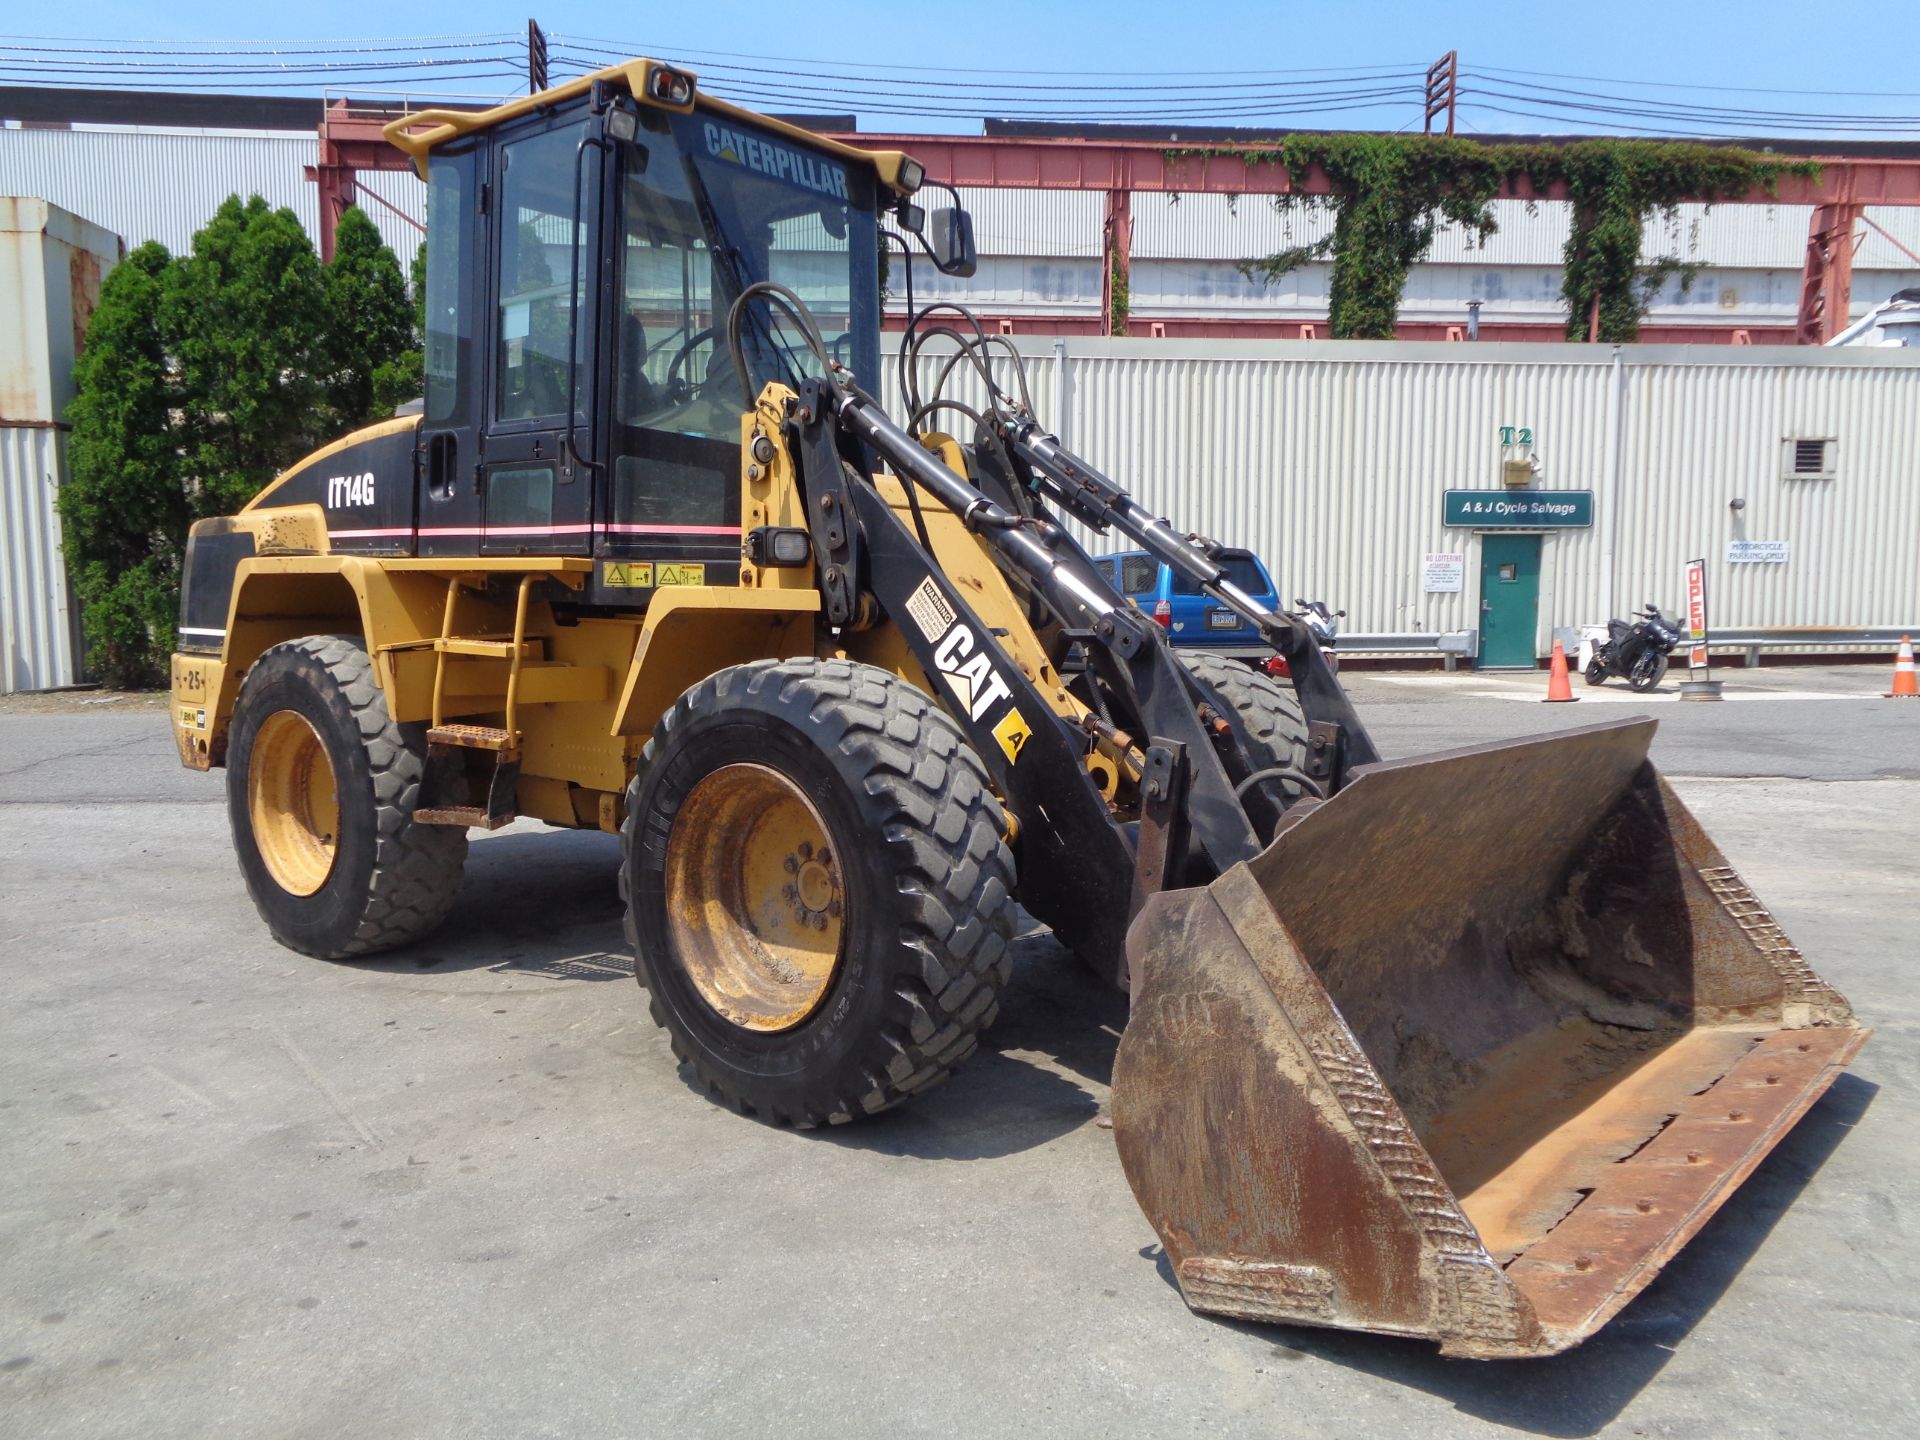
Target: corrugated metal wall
[(38, 632), (1330, 458), (164, 185)]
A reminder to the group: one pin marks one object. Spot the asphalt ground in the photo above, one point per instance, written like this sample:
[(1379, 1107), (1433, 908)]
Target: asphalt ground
[(464, 1190)]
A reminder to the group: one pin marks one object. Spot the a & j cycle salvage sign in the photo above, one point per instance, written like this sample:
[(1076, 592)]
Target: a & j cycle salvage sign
[(1517, 509)]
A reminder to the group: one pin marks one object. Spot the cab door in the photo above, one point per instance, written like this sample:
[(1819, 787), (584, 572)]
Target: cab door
[(536, 490), (448, 466)]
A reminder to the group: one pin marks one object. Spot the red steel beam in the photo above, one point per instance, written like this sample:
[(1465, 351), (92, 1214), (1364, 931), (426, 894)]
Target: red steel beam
[(1144, 165), (349, 143)]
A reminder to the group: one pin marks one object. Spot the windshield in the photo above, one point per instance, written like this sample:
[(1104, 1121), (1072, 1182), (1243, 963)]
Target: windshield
[(742, 206)]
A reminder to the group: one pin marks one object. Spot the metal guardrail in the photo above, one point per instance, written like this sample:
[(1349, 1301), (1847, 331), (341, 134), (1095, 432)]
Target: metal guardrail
[(1451, 645), (1808, 637), (1446, 642)]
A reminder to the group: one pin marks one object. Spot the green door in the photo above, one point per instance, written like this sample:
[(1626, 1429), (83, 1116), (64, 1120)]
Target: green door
[(1509, 601)]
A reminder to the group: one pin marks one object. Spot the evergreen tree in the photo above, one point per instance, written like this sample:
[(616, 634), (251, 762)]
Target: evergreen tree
[(404, 377), (245, 319), (124, 510), (203, 376), (369, 325)]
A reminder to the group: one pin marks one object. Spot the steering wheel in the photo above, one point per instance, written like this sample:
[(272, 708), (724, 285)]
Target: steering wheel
[(680, 389)]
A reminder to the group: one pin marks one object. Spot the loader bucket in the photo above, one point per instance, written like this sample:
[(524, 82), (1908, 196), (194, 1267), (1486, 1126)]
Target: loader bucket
[(1468, 1052)]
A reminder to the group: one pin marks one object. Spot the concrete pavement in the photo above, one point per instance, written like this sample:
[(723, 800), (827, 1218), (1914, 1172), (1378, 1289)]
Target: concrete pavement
[(464, 1190)]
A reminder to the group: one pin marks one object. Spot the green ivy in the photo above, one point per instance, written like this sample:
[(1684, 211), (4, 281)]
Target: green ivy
[(1390, 193), (1616, 186), (1120, 297)]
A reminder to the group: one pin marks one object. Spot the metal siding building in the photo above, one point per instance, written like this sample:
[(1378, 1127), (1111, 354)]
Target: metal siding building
[(1329, 459), (153, 184), (51, 266)]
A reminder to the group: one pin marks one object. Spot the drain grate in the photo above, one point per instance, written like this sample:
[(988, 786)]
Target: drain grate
[(594, 965)]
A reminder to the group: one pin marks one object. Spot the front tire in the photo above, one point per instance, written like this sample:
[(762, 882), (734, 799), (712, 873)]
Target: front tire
[(817, 889), (1648, 671), (321, 789), (1265, 716)]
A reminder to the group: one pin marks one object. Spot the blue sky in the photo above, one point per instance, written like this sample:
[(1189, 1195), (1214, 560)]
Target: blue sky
[(1858, 46)]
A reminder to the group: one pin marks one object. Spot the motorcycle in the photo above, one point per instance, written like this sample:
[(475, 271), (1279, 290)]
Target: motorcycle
[(1637, 652), (1325, 627)]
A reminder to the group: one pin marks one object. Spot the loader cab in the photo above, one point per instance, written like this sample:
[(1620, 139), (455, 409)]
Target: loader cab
[(581, 260)]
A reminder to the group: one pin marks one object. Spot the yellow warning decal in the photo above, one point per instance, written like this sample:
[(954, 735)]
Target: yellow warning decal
[(682, 574), (628, 574), (1012, 733)]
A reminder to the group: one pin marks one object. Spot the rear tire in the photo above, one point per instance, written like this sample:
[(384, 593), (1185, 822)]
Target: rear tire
[(321, 788), (817, 889), (1596, 672), (1265, 716)]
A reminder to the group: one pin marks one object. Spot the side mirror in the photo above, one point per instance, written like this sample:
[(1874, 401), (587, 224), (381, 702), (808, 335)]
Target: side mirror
[(950, 237), (947, 233)]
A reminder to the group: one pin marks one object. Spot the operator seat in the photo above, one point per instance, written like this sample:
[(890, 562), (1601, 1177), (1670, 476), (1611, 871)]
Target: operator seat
[(636, 390)]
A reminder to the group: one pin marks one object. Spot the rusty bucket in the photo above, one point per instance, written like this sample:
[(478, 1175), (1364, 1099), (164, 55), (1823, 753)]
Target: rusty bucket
[(1469, 1052)]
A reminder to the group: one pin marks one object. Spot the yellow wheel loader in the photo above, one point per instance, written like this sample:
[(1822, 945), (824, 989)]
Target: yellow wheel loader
[(650, 559)]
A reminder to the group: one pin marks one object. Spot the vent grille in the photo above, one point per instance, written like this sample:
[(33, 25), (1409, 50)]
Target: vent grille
[(1807, 458)]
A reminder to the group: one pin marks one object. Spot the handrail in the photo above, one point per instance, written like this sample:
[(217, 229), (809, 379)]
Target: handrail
[(513, 664)]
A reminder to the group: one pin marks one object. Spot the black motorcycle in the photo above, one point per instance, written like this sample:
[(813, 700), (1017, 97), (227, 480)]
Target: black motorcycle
[(1637, 652), (1325, 625)]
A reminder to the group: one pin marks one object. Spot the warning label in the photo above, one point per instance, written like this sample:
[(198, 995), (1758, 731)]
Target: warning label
[(930, 610)]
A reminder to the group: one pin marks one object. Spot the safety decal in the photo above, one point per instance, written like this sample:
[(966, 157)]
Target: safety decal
[(627, 574), (930, 610)]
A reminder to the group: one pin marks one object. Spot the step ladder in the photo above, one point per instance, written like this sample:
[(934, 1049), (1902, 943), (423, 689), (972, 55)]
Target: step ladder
[(461, 786)]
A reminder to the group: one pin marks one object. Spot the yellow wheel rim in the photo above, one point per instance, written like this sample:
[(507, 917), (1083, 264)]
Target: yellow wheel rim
[(294, 802), (755, 902)]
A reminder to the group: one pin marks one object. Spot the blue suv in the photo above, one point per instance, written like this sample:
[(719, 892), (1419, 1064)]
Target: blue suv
[(1192, 620)]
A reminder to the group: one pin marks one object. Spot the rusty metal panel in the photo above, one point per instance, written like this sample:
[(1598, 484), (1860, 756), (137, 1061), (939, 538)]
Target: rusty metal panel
[(39, 640)]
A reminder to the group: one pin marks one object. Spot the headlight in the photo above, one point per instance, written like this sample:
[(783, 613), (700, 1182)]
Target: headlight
[(666, 86)]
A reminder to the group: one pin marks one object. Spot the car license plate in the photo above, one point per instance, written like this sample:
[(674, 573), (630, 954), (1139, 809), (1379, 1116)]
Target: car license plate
[(1222, 620)]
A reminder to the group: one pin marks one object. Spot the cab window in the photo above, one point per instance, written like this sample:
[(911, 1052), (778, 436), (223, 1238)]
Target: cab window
[(540, 239)]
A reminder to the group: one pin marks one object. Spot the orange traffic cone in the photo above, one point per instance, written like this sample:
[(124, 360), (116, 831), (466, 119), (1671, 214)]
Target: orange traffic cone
[(1558, 687), (1906, 684)]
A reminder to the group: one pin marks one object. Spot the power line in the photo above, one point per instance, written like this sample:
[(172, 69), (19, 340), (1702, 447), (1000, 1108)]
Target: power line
[(977, 87), (1681, 106), (916, 69), (1695, 85)]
